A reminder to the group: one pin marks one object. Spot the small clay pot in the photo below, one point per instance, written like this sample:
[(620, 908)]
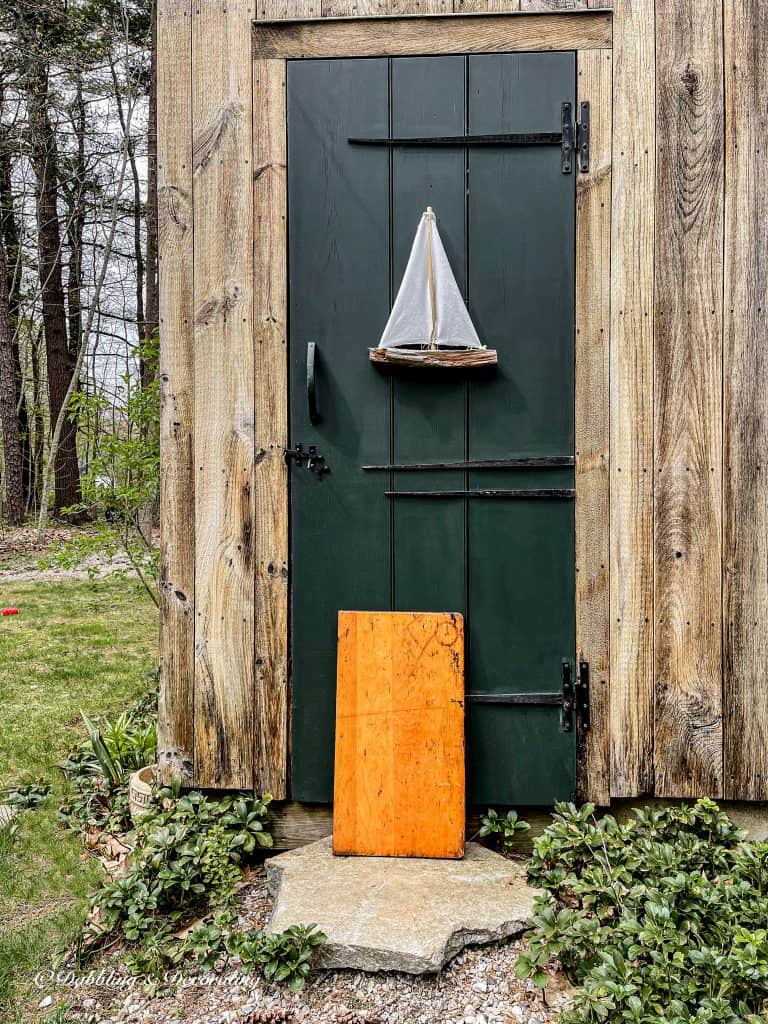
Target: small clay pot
[(140, 792)]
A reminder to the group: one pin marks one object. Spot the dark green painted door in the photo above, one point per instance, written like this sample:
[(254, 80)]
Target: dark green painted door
[(506, 217)]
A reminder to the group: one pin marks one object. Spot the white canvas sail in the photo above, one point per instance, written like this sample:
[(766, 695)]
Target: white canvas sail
[(429, 310)]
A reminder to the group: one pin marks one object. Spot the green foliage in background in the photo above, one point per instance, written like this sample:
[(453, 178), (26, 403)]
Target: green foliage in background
[(120, 485), (660, 920)]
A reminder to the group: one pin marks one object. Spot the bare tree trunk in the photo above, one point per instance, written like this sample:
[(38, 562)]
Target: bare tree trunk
[(38, 448), (10, 236), (58, 425), (76, 223), (60, 358), (138, 252), (14, 491), (152, 318)]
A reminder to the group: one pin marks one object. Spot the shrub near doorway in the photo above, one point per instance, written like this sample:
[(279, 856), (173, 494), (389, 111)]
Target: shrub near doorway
[(661, 920)]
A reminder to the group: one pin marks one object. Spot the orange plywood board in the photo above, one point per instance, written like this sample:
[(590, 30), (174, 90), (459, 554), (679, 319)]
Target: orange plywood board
[(399, 773)]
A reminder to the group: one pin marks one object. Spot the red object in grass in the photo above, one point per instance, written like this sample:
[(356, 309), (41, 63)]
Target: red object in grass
[(10, 611)]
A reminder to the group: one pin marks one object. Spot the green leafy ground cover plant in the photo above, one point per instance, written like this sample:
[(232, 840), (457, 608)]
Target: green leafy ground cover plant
[(505, 830), (660, 920), (186, 864)]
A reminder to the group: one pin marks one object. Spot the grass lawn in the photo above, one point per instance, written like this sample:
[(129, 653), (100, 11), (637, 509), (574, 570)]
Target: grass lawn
[(75, 644)]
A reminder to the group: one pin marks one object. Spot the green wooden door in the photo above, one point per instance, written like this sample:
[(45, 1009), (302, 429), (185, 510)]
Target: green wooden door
[(358, 540)]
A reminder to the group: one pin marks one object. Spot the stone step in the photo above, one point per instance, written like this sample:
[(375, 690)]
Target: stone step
[(397, 913)]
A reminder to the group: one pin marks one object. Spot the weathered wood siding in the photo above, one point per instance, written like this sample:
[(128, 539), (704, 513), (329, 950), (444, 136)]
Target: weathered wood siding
[(175, 720), (672, 552), (224, 395)]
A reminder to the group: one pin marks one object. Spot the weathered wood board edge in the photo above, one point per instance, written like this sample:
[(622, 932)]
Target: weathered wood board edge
[(632, 466), (594, 69), (175, 716), (270, 291), (412, 35)]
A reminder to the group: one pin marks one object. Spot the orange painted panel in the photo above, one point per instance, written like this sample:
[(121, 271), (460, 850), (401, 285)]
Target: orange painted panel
[(399, 773)]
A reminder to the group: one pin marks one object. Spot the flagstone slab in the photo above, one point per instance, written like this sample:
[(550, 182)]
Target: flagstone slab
[(397, 913)]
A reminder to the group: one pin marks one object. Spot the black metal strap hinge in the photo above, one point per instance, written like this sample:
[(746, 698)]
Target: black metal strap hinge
[(577, 136), (567, 141), (582, 137), (572, 139), (573, 698), (582, 695), (569, 699)]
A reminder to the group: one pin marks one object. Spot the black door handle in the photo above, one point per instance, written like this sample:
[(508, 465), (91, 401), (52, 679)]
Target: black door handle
[(314, 415)]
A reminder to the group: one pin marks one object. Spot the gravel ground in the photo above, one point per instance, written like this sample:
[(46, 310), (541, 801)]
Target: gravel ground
[(477, 987)]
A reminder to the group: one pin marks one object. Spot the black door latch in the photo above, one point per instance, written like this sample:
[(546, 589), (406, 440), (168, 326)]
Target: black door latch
[(309, 457)]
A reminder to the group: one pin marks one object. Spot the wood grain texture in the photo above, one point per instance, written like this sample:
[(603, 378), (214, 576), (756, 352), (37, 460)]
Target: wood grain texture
[(422, 7), (355, 8), (688, 398), (399, 769), (477, 6), (224, 396), (409, 36), (175, 724), (271, 383), (275, 10), (592, 390), (745, 540), (632, 254), (553, 5)]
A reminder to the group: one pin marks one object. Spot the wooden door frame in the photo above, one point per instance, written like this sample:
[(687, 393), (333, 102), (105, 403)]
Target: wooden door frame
[(589, 33)]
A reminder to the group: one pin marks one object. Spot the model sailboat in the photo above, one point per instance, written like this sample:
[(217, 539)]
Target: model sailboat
[(429, 324)]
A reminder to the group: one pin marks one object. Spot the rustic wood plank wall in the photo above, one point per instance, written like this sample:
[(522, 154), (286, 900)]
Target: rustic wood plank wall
[(270, 201), (224, 394), (175, 722), (592, 386), (745, 534), (632, 255), (688, 748), (678, 317)]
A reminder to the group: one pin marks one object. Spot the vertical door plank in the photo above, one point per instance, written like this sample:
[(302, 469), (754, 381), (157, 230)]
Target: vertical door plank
[(521, 574), (399, 787), (632, 244), (224, 398), (745, 597), (177, 542), (428, 418), (338, 199), (687, 390), (270, 268), (593, 311)]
